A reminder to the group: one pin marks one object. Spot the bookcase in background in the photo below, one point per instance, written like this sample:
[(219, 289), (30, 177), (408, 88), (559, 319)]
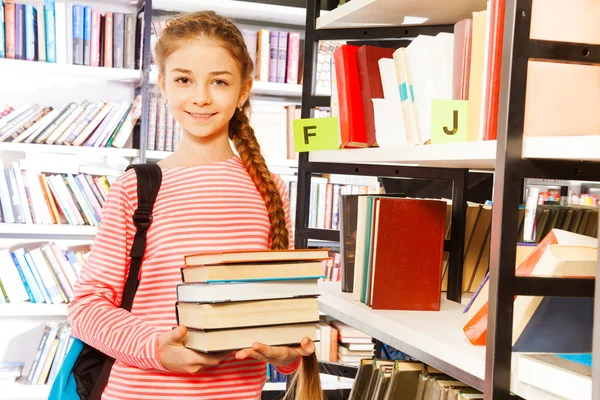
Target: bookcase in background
[(512, 158)]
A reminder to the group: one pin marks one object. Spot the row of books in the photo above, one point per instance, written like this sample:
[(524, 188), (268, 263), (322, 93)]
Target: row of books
[(31, 197), (233, 299), (40, 273), (540, 321), (53, 346), (101, 124), (324, 205), (385, 96), (394, 379), (59, 32), (164, 132)]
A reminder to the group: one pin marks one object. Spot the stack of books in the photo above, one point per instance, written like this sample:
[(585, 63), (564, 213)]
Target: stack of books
[(229, 301)]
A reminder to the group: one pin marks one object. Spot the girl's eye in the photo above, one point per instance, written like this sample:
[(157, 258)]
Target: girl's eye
[(219, 82), (182, 80)]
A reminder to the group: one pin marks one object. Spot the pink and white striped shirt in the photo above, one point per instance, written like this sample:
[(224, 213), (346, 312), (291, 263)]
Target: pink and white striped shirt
[(203, 208)]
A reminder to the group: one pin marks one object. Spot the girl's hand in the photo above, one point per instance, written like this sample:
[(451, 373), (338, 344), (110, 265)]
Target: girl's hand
[(277, 355), (175, 357)]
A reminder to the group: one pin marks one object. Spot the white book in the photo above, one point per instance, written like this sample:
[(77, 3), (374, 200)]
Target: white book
[(11, 279), (5, 200), (46, 275), (23, 200), (60, 22), (243, 291)]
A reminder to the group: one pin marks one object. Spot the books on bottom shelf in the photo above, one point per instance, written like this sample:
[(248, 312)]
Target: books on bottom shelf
[(394, 379), (249, 296)]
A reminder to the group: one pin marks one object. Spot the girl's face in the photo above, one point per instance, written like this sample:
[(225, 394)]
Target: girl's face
[(203, 86)]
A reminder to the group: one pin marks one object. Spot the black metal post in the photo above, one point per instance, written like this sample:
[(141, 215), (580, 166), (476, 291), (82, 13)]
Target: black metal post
[(507, 181), (313, 10), (457, 235)]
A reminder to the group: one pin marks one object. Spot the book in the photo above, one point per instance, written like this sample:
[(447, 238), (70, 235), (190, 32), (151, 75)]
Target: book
[(252, 271), (245, 291), (234, 339), (248, 313), (255, 256)]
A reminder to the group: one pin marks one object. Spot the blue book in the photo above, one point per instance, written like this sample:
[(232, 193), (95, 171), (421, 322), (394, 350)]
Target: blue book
[(38, 279), (50, 31), (78, 35), (30, 32), (19, 258), (23, 279), (19, 31), (2, 37), (581, 358), (87, 35)]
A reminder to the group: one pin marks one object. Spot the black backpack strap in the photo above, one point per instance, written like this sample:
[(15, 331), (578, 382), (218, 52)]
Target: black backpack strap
[(149, 177)]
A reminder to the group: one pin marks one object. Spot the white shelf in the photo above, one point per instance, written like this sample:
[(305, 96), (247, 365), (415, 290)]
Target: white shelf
[(20, 391), (27, 309), (242, 10), (50, 70), (82, 151), (53, 232), (372, 13), (435, 338), (473, 155), (280, 386)]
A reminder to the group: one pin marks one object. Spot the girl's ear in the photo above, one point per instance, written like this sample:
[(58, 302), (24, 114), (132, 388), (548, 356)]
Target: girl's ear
[(162, 86), (246, 88)]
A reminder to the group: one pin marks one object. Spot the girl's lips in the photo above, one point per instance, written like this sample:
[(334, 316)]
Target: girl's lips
[(201, 116)]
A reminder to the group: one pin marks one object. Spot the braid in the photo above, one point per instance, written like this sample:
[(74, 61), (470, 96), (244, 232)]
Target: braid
[(242, 135)]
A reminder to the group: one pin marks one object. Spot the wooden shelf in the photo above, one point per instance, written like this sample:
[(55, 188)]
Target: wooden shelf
[(27, 309), (47, 232), (436, 338), (49, 70), (82, 151), (373, 13), (242, 10), (473, 155)]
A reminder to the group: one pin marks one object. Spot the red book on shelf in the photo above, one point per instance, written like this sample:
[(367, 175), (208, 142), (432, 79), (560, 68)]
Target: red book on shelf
[(351, 113), (370, 83), (408, 240), (492, 78)]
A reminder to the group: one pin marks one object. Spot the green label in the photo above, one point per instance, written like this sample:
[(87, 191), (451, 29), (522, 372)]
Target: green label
[(311, 134)]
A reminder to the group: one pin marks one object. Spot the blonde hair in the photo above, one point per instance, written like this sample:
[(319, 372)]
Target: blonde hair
[(180, 29)]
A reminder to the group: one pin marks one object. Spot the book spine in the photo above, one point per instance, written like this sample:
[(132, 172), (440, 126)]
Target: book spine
[(19, 31), (87, 35), (108, 40), (2, 35), (41, 34), (95, 40), (60, 24), (129, 42), (50, 27), (118, 39), (293, 55), (282, 49), (78, 25), (273, 55), (9, 28), (30, 32)]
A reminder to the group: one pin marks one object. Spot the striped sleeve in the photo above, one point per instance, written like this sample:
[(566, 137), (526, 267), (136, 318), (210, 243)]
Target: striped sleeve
[(94, 312), (285, 199)]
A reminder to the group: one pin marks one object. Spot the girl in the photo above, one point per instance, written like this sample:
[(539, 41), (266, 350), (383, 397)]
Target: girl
[(210, 200)]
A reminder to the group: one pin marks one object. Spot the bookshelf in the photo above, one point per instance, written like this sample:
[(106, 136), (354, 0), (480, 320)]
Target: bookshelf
[(80, 151), (433, 337), (472, 155), (63, 71), (242, 10), (47, 232), (22, 391), (512, 158), (378, 13)]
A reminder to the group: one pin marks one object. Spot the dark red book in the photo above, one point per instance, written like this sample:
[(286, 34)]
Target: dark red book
[(351, 114), (408, 240), (370, 83)]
